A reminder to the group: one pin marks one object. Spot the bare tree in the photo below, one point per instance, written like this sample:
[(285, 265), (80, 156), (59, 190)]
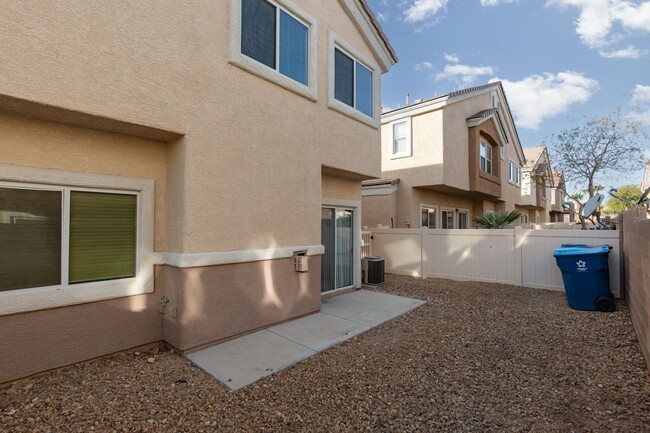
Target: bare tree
[(601, 145)]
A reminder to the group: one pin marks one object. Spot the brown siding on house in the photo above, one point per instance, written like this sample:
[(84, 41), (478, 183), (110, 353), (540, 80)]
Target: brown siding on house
[(636, 250), (42, 340), (212, 303)]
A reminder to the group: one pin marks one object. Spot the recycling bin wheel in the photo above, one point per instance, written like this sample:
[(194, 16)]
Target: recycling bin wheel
[(605, 305)]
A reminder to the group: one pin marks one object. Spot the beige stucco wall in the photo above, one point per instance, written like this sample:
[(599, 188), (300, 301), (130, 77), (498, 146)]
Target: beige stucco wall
[(379, 209), (340, 188), (424, 166), (249, 144), (41, 144)]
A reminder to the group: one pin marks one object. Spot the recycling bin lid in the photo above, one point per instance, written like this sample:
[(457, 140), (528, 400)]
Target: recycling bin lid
[(581, 251)]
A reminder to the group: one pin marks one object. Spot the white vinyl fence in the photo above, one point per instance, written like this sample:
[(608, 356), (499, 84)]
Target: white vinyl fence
[(513, 256)]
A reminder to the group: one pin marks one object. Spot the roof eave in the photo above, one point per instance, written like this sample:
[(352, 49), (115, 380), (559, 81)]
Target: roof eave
[(360, 13)]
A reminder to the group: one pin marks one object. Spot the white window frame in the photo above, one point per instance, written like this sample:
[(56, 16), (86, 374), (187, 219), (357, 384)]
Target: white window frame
[(513, 168), (39, 298), (453, 217), (235, 56), (487, 146), (437, 215), (460, 211), (337, 43), (409, 143)]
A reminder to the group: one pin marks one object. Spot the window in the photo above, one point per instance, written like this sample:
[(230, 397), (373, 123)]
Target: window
[(352, 83), (447, 218), (463, 219), (275, 38), (60, 237), (275, 42), (523, 219), (401, 130), (514, 173), (486, 157), (429, 217)]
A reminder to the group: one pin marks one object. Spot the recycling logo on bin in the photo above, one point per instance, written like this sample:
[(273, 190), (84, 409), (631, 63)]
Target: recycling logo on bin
[(582, 265)]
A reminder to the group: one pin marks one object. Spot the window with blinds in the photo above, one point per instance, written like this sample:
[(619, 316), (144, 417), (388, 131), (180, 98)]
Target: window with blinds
[(101, 243), (275, 38), (30, 238), (102, 236), (352, 83)]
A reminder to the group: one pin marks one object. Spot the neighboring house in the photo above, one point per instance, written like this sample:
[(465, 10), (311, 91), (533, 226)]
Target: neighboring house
[(558, 213), (456, 156), (537, 185), (161, 167)]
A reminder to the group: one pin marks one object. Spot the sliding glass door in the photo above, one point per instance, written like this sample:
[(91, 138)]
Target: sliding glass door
[(337, 229)]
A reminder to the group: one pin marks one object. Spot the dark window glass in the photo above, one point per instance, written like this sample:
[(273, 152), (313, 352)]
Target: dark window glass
[(293, 48), (364, 90), (102, 236), (30, 238), (258, 31), (343, 78)]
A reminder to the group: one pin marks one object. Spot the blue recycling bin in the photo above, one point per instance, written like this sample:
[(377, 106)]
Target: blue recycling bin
[(586, 276)]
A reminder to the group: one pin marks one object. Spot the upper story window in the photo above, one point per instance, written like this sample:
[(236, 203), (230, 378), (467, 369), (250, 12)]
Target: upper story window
[(273, 37), (401, 134), (514, 173), (486, 157), (353, 82), (276, 42)]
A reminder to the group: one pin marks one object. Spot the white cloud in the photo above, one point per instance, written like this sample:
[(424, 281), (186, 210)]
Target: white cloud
[(452, 58), (538, 97), (495, 2), (422, 9), (640, 102), (423, 66), (595, 24), (641, 94), (464, 73), (631, 52)]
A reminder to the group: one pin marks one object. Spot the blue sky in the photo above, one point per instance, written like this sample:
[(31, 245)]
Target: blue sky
[(559, 60)]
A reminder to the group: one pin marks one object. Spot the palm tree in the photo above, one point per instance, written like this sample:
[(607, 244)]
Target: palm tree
[(497, 220)]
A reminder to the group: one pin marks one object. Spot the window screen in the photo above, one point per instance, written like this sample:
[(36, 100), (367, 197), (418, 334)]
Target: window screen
[(364, 90), (258, 31), (30, 238), (294, 62), (102, 236), (399, 138), (343, 78)]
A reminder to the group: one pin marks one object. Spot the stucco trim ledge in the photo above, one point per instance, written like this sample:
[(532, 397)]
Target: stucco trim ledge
[(195, 260)]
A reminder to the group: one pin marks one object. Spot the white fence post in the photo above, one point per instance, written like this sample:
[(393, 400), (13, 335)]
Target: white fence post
[(423, 252), (518, 248)]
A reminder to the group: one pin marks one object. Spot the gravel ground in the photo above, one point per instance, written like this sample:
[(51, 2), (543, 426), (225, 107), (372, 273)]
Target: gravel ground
[(477, 357)]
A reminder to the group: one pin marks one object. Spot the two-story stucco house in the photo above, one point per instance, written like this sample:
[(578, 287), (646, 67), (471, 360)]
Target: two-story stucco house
[(162, 166), (446, 160), (537, 185)]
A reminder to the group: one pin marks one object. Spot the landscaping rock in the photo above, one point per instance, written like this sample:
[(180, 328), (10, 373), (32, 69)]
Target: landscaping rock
[(478, 357)]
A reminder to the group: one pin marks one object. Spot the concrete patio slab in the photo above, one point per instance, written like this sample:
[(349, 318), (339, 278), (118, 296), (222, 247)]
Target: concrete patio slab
[(369, 308), (244, 360), (319, 331)]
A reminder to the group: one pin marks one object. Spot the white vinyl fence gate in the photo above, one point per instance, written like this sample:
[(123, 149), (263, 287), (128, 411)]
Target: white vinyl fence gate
[(521, 257)]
